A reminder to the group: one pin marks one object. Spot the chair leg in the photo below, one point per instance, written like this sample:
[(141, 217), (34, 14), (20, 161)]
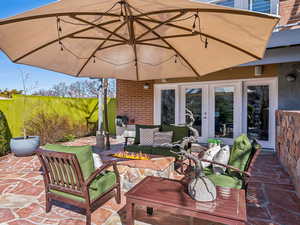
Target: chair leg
[(118, 195), (88, 216), (48, 204)]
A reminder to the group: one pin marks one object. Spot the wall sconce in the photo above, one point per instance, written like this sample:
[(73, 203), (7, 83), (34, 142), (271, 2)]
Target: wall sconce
[(146, 86), (291, 77), (258, 70)]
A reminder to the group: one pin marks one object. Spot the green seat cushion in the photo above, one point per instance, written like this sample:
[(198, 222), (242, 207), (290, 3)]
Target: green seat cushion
[(137, 148), (165, 151), (208, 171), (137, 131), (179, 132), (226, 181), (240, 153), (100, 185), (84, 155)]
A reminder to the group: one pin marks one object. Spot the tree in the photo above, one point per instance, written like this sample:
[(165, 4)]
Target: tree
[(78, 89), (9, 93), (5, 135)]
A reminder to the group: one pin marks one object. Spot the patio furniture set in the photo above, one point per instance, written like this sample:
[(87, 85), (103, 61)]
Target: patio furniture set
[(70, 175)]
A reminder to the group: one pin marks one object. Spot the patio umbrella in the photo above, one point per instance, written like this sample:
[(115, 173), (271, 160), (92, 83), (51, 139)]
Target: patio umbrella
[(135, 39)]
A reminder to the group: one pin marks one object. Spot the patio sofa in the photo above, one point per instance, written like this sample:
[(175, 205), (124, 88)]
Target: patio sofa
[(179, 132)]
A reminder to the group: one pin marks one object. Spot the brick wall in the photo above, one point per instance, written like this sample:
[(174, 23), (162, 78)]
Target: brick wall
[(289, 12), (134, 101)]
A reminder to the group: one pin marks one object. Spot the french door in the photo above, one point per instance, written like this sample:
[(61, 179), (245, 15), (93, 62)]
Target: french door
[(222, 110), (215, 108)]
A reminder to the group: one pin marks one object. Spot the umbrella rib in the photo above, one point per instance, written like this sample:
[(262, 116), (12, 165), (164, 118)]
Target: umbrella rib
[(56, 15), (61, 38), (210, 10), (166, 42), (132, 40), (99, 47), (96, 38), (96, 26), (162, 23), (200, 33), (154, 45)]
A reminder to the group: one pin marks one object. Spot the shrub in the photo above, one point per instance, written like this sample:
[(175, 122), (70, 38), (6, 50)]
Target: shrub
[(5, 135), (52, 127)]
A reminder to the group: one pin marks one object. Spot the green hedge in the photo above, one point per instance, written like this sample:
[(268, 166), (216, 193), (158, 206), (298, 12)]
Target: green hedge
[(5, 135), (79, 110)]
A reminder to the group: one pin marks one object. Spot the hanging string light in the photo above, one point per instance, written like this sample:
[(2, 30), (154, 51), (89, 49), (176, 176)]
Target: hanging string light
[(94, 59), (59, 31), (176, 56), (197, 19), (122, 17), (194, 24)]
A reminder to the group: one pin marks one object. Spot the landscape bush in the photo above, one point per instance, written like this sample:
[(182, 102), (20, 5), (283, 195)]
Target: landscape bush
[(52, 127), (5, 135)]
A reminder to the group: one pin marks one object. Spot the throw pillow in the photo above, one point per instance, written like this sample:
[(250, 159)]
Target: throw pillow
[(161, 138), (137, 131), (97, 161), (209, 155), (147, 136), (221, 157)]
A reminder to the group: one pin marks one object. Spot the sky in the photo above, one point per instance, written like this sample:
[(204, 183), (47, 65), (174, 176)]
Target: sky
[(10, 75)]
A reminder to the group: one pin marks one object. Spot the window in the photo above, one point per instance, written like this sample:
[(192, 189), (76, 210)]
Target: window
[(228, 3), (263, 6), (168, 106)]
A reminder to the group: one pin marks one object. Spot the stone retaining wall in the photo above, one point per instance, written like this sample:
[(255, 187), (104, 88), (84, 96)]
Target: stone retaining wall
[(288, 144)]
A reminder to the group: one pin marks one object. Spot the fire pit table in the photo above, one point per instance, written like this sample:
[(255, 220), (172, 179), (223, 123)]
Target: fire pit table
[(132, 171)]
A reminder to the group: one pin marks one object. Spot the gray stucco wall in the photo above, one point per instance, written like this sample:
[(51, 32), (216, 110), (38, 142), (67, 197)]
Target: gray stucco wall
[(289, 92)]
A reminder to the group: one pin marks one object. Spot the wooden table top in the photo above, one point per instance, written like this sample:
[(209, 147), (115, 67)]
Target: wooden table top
[(230, 203)]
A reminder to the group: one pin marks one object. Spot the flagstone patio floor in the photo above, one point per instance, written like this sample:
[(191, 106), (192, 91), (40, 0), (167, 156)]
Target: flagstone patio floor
[(271, 199)]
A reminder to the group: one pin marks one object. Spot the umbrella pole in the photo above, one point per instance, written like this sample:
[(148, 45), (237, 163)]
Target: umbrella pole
[(100, 137), (107, 143)]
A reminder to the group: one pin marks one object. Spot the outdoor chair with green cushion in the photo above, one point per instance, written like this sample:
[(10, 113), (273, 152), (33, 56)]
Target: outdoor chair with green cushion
[(70, 176), (242, 157)]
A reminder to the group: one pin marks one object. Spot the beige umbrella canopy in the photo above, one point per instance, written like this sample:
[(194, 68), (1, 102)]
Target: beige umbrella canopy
[(135, 39)]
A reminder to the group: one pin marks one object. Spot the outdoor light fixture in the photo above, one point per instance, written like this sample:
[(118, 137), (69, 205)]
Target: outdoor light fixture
[(146, 86), (291, 77), (258, 70)]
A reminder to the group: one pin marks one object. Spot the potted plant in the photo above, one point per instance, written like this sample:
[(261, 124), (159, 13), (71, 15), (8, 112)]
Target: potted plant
[(25, 145)]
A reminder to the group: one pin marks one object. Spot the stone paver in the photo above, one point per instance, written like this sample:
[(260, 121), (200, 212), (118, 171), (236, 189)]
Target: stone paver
[(271, 198)]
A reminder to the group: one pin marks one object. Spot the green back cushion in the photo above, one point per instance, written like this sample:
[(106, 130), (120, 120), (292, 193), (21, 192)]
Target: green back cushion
[(84, 155), (240, 152), (137, 131), (179, 132)]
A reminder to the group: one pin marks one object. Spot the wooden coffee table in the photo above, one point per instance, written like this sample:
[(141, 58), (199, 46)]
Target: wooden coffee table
[(171, 195)]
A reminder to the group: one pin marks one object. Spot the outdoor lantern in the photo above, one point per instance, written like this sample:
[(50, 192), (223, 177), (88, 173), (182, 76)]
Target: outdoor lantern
[(146, 86), (291, 77), (258, 70)]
